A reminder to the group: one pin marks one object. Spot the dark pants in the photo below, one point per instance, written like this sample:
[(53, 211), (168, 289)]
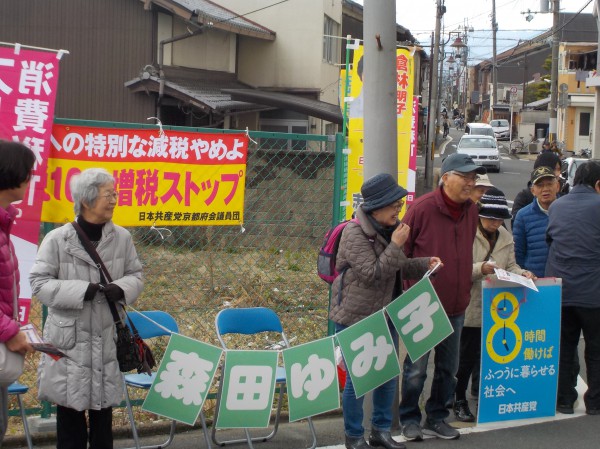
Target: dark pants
[(470, 359), (574, 320), (72, 429)]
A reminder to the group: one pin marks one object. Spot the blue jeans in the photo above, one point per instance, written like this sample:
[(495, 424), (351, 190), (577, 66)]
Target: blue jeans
[(444, 380), (383, 399)]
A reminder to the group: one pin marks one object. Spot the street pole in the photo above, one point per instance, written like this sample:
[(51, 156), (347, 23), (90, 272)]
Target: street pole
[(494, 68), (379, 84), (554, 74), (433, 89), (596, 127)]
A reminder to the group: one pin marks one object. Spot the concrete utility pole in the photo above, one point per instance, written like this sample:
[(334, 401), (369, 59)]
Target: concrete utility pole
[(433, 88), (379, 85), (554, 74), (494, 61), (596, 126)]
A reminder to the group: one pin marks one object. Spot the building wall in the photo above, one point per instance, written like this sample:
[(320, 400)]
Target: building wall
[(109, 43), (294, 60)]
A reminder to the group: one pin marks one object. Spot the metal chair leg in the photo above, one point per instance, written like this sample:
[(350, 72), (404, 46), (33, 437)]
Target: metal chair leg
[(25, 424)]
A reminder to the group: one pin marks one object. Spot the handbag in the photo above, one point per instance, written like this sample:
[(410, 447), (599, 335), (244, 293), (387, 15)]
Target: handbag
[(132, 352), (11, 363)]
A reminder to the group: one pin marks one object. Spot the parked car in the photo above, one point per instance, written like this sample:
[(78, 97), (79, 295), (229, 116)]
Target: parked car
[(501, 129), (480, 129), (483, 150), (569, 167)]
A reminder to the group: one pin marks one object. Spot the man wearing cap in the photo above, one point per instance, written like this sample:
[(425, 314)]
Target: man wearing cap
[(442, 222), (525, 196), (529, 228), (372, 265), (493, 248)]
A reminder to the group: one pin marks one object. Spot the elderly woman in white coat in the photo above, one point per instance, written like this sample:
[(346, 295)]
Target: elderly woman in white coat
[(80, 322), (493, 248)]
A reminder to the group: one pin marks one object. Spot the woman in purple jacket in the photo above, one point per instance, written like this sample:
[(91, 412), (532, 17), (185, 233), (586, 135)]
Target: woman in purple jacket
[(16, 163)]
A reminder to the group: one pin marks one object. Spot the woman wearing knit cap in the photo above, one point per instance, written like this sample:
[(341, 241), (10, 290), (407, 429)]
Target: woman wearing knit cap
[(372, 264), (493, 248)]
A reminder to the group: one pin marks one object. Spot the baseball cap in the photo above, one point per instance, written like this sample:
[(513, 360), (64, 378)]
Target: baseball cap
[(461, 163), (541, 172)]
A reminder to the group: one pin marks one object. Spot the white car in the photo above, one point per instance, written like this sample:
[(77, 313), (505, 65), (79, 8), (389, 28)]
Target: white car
[(569, 167), (482, 149), (501, 129)]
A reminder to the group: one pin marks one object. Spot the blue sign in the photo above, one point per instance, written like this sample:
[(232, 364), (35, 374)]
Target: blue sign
[(520, 340)]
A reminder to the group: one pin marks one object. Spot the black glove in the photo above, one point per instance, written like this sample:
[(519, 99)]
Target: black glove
[(91, 291), (113, 292)]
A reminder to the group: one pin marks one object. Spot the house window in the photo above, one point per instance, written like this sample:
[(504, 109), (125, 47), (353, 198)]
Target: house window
[(331, 31)]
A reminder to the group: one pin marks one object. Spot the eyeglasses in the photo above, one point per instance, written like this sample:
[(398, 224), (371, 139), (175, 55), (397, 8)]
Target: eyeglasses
[(472, 177), (397, 205), (111, 196)]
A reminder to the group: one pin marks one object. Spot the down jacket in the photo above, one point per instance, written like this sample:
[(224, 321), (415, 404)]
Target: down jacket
[(371, 265), (529, 231), (89, 378), (503, 255), (9, 275)]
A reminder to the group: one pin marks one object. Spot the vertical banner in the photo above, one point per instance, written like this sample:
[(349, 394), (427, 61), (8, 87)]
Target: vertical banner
[(369, 353), (405, 114), (28, 84), (183, 379), (312, 379), (420, 319), (414, 149), (248, 386), (519, 350)]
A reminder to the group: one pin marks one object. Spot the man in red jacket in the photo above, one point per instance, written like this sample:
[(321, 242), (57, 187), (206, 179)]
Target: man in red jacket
[(442, 222)]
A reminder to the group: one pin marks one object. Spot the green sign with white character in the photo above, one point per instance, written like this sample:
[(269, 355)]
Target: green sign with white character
[(420, 319)]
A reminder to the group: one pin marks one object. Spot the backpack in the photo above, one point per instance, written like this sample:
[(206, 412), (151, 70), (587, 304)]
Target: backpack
[(328, 252)]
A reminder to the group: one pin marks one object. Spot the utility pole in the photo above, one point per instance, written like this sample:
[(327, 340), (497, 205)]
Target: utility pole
[(596, 126), (379, 85), (433, 89), (554, 70), (494, 61)]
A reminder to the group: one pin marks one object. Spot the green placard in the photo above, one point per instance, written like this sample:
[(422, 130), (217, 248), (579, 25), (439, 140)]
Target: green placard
[(248, 386), (420, 319), (183, 379), (369, 353), (312, 378)]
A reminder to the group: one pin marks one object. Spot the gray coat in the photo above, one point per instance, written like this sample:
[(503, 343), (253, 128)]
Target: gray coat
[(573, 235), (89, 378), (372, 264)]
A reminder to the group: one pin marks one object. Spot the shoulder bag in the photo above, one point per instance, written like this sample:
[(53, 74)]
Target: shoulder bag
[(11, 363), (132, 352)]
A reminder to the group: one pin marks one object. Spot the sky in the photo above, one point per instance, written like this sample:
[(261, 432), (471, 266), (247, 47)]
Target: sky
[(477, 14)]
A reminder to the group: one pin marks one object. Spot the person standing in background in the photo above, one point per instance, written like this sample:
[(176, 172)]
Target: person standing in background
[(16, 164)]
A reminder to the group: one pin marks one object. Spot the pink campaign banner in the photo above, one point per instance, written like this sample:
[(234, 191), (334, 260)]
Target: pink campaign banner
[(28, 84)]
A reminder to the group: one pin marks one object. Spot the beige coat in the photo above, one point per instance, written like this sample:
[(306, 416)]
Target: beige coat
[(84, 330), (503, 255)]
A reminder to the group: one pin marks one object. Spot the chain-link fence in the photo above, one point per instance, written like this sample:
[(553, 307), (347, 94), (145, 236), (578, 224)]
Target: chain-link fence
[(193, 272)]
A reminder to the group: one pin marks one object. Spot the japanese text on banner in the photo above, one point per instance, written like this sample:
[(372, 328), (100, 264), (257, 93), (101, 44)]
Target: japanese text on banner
[(173, 178)]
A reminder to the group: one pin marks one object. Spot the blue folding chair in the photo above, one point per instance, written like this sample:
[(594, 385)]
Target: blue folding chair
[(250, 321), (151, 324), (17, 389)]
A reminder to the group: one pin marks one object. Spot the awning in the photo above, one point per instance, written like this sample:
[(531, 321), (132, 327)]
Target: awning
[(314, 108), (200, 88)]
